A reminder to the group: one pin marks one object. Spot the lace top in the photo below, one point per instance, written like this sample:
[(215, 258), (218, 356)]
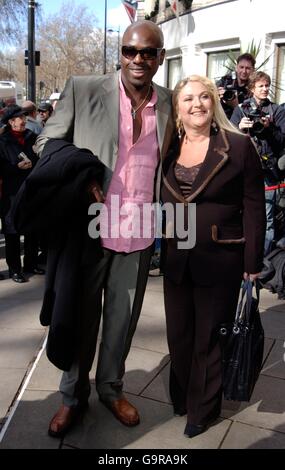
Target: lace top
[(186, 176)]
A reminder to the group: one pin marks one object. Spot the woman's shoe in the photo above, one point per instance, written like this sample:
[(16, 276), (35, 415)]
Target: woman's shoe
[(179, 411), (192, 430), (33, 270)]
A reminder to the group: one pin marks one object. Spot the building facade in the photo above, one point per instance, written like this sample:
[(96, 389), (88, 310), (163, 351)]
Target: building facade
[(199, 41)]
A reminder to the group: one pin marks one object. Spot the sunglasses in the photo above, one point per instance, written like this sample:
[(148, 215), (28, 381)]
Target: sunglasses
[(148, 53)]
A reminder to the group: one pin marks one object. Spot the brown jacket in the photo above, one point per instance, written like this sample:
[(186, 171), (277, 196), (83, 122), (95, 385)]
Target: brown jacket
[(230, 218)]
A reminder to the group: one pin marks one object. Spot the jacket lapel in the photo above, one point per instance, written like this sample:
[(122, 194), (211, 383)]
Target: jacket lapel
[(110, 100), (164, 119), (216, 158)]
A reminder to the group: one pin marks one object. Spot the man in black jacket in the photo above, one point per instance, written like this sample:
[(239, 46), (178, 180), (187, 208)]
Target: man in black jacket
[(265, 123), (233, 88)]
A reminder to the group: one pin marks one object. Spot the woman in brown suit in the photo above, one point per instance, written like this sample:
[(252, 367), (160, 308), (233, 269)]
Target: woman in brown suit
[(214, 166)]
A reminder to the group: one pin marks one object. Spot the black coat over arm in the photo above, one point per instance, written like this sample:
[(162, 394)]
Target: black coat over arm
[(54, 198)]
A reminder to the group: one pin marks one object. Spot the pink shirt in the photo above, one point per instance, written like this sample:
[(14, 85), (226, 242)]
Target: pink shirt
[(123, 226)]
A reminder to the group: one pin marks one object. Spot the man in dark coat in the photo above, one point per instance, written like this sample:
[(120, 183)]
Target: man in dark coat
[(264, 121)]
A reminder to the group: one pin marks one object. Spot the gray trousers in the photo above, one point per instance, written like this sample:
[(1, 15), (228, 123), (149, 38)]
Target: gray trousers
[(122, 278)]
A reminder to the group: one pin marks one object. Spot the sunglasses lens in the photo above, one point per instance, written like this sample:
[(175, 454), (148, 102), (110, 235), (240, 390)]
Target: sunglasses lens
[(129, 52), (147, 53)]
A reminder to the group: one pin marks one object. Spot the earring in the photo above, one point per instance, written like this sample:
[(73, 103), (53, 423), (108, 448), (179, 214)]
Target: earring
[(214, 127), (180, 128)]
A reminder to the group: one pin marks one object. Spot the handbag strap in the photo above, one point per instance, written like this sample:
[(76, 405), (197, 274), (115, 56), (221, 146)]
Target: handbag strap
[(249, 299), (241, 304), (244, 306)]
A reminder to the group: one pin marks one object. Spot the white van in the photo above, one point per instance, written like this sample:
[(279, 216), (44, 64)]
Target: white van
[(11, 93)]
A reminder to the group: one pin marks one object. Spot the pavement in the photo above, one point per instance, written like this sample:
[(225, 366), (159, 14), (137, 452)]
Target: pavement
[(29, 385)]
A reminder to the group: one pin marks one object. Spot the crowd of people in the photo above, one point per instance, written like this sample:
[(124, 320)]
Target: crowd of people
[(211, 145)]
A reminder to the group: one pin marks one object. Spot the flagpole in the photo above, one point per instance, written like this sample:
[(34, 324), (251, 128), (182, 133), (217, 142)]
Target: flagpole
[(105, 41)]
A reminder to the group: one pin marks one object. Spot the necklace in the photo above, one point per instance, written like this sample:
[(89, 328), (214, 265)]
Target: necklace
[(134, 110)]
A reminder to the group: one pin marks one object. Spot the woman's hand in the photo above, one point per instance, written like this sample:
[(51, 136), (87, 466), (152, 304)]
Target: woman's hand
[(252, 277), (25, 164)]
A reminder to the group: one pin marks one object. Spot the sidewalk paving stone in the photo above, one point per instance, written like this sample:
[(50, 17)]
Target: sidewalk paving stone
[(46, 376), (28, 428), (266, 408), (258, 424), (151, 334), (142, 366), (275, 363), (10, 382), (244, 436), (19, 347), (273, 322)]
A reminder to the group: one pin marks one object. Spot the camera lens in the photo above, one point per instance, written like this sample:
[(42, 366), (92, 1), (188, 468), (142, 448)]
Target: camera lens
[(257, 127), (229, 95)]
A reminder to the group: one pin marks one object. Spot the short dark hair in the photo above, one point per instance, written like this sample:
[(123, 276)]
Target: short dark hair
[(247, 56), (45, 106)]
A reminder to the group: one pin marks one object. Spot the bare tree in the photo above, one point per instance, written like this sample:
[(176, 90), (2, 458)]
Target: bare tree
[(3, 68), (70, 44), (12, 14)]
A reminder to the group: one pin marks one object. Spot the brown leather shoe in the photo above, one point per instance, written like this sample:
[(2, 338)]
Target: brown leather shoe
[(126, 413), (64, 419)]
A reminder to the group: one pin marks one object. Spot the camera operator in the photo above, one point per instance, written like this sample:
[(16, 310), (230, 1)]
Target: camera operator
[(264, 121), (232, 88)]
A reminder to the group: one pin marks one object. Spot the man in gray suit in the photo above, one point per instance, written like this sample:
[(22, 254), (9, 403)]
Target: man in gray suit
[(125, 119)]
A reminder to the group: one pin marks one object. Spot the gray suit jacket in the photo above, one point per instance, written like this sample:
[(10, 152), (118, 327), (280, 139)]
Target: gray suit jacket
[(88, 116)]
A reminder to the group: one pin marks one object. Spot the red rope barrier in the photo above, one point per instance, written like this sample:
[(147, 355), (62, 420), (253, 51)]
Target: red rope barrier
[(277, 186)]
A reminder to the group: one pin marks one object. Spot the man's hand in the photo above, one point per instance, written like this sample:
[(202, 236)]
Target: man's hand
[(221, 91), (252, 277), (25, 164), (95, 192), (265, 121), (245, 123)]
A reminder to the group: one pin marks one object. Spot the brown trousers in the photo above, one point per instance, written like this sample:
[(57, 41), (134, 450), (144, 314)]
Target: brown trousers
[(193, 316)]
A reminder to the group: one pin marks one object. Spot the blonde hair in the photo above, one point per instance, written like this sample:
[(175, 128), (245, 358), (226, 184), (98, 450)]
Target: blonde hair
[(219, 117)]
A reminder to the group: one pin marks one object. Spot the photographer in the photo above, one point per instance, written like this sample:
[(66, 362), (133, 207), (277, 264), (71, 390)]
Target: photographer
[(233, 91), (265, 123)]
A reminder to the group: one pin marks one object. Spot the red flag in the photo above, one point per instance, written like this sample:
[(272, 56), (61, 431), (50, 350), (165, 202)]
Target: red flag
[(131, 9), (174, 7)]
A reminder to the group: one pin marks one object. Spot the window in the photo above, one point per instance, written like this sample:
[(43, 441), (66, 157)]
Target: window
[(280, 84), (174, 72), (216, 63)]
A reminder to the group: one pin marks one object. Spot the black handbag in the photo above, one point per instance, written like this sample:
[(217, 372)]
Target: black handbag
[(242, 347)]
